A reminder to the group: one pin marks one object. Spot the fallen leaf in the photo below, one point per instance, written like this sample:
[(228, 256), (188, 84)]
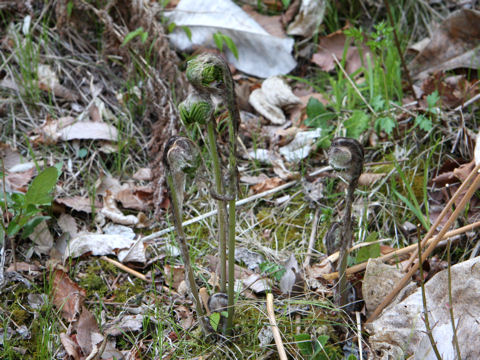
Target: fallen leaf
[(70, 346), (89, 130), (253, 180), (260, 54), (269, 101), (18, 181), (143, 174), (48, 81), (334, 44), (301, 145), (112, 212), (10, 156), (271, 23), (124, 324), (309, 17), (68, 225), (23, 266), (185, 317), (42, 238), (368, 179), (174, 275), (88, 333), (268, 184), (68, 297), (106, 244), (455, 44), (80, 203), (138, 198), (257, 283)]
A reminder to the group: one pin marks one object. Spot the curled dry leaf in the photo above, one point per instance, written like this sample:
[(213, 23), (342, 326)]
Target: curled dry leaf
[(454, 45), (111, 211), (71, 347), (268, 184), (67, 295), (106, 244), (138, 198), (269, 100), (301, 145)]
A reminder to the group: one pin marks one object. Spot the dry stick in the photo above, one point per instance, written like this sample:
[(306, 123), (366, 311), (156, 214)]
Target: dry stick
[(276, 333), (397, 45), (359, 334), (425, 308), (406, 250), (444, 212), (125, 268), (428, 251), (313, 236)]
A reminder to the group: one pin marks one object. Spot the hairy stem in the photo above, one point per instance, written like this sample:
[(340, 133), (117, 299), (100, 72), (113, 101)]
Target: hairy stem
[(221, 204), (177, 219), (346, 244)]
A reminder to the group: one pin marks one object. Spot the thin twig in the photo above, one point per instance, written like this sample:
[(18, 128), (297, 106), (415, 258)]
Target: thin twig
[(406, 250), (425, 308), (444, 212), (313, 237), (359, 334), (431, 247), (125, 268), (276, 332)]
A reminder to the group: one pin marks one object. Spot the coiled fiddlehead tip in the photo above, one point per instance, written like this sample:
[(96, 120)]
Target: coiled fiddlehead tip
[(196, 108), (206, 72), (346, 156), (180, 155)]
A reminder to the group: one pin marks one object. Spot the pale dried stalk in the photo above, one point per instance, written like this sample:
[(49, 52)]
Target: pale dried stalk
[(406, 250), (276, 332), (444, 212), (431, 247), (125, 268)]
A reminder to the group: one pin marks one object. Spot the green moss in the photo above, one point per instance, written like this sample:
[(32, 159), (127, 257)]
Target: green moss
[(128, 290)]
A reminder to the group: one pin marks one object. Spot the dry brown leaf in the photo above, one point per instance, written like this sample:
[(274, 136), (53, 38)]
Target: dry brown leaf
[(253, 180), (174, 275), (268, 184), (88, 334), (70, 346), (79, 203), (67, 295), (334, 44), (143, 174), (23, 266), (368, 179), (453, 90), (18, 181), (185, 317), (272, 24), (42, 238), (111, 211), (454, 45), (138, 198), (89, 130)]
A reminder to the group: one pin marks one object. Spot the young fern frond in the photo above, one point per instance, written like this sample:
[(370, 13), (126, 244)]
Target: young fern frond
[(210, 74), (179, 157), (346, 156)]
